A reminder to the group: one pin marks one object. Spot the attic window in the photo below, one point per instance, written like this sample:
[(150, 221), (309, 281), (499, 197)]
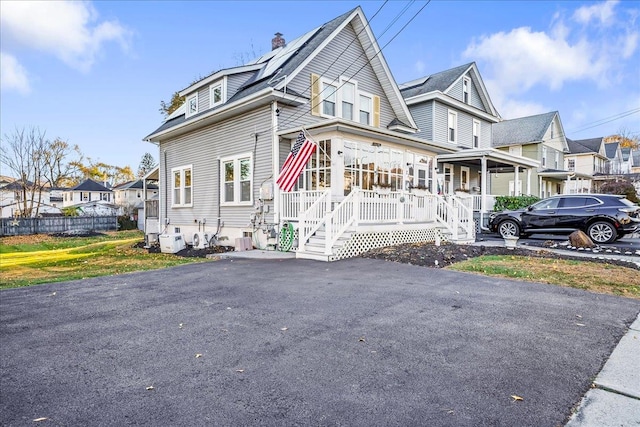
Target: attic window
[(465, 90), (217, 93), (344, 100), (192, 104)]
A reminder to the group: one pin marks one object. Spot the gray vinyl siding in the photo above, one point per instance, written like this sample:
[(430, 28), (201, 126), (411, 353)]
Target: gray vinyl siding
[(349, 62), (423, 115), (235, 82), (202, 149), (465, 130), (474, 96), (203, 98), (440, 123), (485, 134)]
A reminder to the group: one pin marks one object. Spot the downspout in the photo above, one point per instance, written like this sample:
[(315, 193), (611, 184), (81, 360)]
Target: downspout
[(166, 185), (275, 160)]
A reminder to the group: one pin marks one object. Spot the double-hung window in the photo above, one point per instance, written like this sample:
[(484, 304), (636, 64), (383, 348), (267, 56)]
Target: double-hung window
[(365, 110), (544, 156), (182, 186), (453, 126), (329, 99), (348, 100), (237, 180), (571, 165), (476, 134)]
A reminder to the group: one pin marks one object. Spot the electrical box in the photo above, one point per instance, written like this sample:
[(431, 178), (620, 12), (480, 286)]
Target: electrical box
[(171, 243), (266, 191), (243, 244)]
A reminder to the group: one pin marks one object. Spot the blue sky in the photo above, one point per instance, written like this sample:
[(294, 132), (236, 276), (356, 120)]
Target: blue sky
[(94, 73)]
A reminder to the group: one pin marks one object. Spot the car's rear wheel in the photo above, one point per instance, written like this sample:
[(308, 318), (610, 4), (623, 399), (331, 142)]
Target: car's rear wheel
[(602, 232), (509, 228)]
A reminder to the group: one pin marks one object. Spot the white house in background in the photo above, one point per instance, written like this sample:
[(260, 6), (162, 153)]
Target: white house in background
[(613, 153), (587, 158), (131, 195), (46, 202)]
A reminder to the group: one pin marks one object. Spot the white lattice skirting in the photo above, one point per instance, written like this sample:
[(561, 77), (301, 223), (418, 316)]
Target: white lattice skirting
[(363, 241)]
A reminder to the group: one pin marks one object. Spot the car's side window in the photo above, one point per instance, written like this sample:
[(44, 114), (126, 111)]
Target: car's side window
[(547, 204), (572, 202)]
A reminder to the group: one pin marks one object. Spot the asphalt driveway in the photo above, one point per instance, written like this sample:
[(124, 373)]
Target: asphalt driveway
[(359, 342)]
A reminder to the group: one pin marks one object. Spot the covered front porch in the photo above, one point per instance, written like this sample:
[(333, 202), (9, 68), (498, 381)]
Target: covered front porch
[(472, 173), (327, 229)]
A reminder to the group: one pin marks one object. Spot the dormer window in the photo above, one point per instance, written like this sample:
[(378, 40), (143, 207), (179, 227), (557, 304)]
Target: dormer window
[(217, 93), (192, 104), (465, 90)]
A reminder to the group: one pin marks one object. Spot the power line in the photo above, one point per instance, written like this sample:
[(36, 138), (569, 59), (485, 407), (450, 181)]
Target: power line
[(608, 120), (304, 111)]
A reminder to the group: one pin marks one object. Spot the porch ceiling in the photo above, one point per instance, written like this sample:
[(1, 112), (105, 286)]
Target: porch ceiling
[(495, 159)]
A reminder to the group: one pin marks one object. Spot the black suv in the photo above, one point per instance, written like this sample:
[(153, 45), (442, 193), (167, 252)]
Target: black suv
[(604, 217)]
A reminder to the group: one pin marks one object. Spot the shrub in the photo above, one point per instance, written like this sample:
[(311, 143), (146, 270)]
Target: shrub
[(126, 223), (510, 203), (624, 188)]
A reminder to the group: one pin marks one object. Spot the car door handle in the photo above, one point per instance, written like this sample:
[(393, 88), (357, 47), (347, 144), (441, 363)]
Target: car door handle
[(590, 210)]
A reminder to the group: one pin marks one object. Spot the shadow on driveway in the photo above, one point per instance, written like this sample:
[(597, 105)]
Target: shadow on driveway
[(358, 342)]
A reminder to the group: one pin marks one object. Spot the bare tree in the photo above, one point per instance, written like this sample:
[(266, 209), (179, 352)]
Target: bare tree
[(58, 168), (23, 154)]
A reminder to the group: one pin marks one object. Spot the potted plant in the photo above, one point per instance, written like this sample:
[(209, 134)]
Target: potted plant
[(420, 190), (382, 188)]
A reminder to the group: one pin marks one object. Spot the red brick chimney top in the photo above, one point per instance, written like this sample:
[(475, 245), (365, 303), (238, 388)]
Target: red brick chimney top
[(277, 41)]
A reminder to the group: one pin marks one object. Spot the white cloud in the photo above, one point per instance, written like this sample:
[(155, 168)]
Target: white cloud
[(68, 30), (602, 13), (13, 76), (576, 50)]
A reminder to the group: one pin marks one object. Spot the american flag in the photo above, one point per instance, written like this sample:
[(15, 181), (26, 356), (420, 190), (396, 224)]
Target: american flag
[(293, 165)]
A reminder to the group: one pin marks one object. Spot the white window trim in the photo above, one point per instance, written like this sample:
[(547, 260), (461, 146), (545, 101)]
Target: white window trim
[(476, 126), (181, 169), (338, 100), (188, 112), (544, 156), (223, 95), (451, 113), (236, 180)]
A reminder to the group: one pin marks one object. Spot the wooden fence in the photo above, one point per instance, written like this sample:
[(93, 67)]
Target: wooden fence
[(48, 225)]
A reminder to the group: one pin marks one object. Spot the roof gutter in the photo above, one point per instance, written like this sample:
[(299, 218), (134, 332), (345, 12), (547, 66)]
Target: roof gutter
[(436, 94)]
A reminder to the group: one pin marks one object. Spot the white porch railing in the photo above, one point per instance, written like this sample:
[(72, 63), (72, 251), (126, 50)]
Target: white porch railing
[(477, 202), (314, 210)]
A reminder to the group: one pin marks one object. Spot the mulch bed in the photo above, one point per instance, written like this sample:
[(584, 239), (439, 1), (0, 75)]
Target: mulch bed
[(188, 252), (430, 255)]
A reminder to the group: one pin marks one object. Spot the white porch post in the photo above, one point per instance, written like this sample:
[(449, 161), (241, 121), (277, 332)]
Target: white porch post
[(483, 184), (528, 181), (275, 159), (516, 181)]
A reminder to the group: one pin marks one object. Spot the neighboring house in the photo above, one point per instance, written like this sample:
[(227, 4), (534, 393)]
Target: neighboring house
[(48, 201), (453, 108), (627, 161), (587, 158), (130, 196), (540, 138), (222, 151), (613, 153), (635, 159), (87, 191)]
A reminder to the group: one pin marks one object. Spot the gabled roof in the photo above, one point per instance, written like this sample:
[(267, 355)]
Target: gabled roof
[(443, 81), (611, 149), (524, 130), (273, 71), (626, 153), (582, 146), (90, 185), (134, 185)]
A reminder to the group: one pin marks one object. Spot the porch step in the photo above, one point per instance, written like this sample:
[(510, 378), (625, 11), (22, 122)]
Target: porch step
[(314, 249)]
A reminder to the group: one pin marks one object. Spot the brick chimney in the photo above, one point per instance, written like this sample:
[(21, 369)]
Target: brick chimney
[(277, 41)]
